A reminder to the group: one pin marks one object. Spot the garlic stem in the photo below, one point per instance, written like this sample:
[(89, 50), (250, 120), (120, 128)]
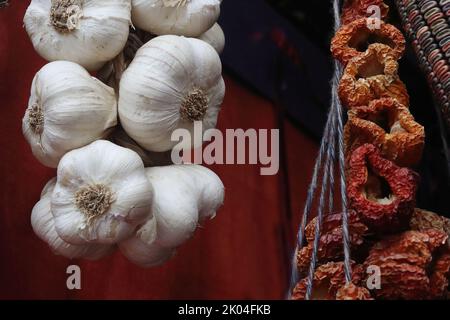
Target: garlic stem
[(65, 14), (36, 118), (93, 200), (194, 105)]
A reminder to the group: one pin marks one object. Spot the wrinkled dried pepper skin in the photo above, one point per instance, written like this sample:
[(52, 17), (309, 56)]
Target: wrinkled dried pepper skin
[(371, 76), (328, 279), (423, 220), (330, 244), (352, 292), (389, 126), (351, 40), (380, 213), (403, 260), (440, 277), (356, 9)]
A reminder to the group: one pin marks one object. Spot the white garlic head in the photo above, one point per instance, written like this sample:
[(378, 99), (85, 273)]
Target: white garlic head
[(184, 196), (67, 109), (172, 82), (101, 195), (44, 226), (215, 37), (143, 249), (88, 32), (180, 17)]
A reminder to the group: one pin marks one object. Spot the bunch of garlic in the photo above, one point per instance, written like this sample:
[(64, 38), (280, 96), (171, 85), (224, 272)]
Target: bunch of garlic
[(67, 109), (88, 32), (110, 194), (103, 197)]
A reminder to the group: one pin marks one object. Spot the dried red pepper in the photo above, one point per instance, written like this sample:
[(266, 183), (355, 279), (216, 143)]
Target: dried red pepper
[(423, 220), (403, 260), (439, 280), (353, 39), (356, 9), (328, 279), (370, 76), (382, 193), (331, 240), (352, 292), (389, 126)]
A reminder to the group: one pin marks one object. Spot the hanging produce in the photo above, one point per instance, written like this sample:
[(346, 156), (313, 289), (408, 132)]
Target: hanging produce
[(103, 197), (67, 109), (180, 17), (381, 230), (88, 32), (172, 82)]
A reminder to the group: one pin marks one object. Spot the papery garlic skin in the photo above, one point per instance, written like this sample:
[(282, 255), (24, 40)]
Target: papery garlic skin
[(101, 195), (214, 37), (44, 227), (184, 196), (67, 109), (144, 250), (179, 17), (172, 82), (95, 32)]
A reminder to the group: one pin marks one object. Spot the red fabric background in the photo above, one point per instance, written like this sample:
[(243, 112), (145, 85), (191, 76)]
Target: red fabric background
[(239, 255)]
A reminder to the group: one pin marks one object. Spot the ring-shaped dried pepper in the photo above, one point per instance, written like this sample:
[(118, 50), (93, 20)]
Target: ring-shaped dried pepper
[(331, 239), (404, 260), (328, 279), (353, 39), (356, 9), (381, 192), (371, 76), (389, 126)]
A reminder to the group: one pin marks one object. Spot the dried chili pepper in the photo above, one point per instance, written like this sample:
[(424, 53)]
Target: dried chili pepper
[(389, 126), (353, 39), (371, 76), (328, 278), (331, 240), (356, 9), (440, 277), (423, 220), (353, 292), (403, 260), (382, 193)]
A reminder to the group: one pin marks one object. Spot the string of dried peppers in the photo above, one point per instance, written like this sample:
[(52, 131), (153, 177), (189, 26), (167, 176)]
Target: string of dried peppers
[(409, 247)]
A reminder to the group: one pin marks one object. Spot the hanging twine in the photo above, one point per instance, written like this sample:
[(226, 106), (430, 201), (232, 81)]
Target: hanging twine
[(325, 164)]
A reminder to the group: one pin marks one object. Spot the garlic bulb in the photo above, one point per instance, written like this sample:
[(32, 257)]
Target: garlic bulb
[(88, 32), (184, 195), (172, 82), (101, 195), (215, 37), (180, 17), (150, 159), (44, 227), (67, 109), (143, 250)]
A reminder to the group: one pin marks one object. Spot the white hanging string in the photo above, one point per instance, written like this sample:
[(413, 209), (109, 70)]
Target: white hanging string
[(325, 162)]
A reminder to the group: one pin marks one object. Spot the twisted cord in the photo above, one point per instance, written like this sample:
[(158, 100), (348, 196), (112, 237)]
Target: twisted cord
[(331, 143), (308, 204), (338, 71), (328, 145)]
